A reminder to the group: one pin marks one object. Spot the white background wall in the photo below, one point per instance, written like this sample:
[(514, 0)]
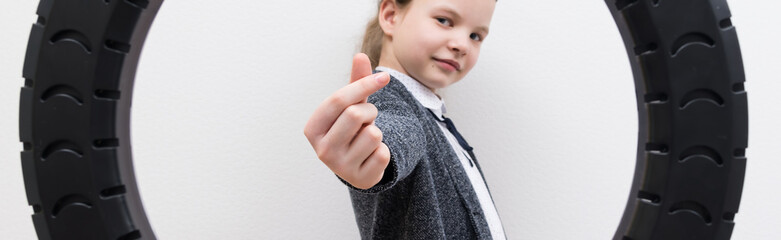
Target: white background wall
[(223, 92)]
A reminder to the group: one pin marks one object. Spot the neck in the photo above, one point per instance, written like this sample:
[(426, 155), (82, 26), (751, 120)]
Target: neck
[(388, 58)]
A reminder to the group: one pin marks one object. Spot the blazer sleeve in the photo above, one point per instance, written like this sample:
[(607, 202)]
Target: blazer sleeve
[(402, 132)]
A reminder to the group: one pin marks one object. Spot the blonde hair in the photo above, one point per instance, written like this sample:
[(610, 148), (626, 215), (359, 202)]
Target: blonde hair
[(372, 39)]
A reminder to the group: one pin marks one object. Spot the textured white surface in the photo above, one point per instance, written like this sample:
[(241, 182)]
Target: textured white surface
[(223, 91)]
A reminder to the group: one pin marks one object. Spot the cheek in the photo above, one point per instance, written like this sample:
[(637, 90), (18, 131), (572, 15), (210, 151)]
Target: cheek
[(421, 49), (431, 38), (472, 60), (425, 42)]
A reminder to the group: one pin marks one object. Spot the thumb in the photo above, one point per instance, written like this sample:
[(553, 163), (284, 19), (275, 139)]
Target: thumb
[(362, 67)]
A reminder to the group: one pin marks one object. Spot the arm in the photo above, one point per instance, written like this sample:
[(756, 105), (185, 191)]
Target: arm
[(402, 133)]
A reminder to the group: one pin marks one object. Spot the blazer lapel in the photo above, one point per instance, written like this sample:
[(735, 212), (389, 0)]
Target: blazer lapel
[(457, 175)]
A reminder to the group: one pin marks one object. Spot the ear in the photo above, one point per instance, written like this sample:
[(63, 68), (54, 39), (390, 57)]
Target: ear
[(388, 16)]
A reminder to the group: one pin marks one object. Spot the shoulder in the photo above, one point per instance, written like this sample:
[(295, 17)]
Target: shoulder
[(402, 121), (394, 97), (400, 117), (397, 106)]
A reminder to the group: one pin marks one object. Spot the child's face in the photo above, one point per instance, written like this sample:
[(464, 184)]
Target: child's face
[(437, 42)]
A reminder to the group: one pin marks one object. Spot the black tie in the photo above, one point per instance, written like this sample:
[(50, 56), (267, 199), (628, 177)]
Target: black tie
[(461, 141)]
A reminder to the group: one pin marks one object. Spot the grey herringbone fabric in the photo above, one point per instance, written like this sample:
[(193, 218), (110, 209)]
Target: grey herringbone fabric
[(425, 193)]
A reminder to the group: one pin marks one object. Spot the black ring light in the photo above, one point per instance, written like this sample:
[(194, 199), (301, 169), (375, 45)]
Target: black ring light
[(82, 56)]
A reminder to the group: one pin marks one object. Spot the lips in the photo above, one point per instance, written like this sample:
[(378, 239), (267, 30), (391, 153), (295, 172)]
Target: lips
[(455, 64)]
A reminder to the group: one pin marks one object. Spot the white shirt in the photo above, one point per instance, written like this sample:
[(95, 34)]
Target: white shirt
[(430, 100)]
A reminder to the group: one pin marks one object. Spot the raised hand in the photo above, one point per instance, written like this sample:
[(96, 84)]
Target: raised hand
[(342, 130)]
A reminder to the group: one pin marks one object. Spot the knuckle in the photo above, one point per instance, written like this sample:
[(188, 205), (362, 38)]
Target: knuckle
[(338, 100), (308, 133), (326, 154), (375, 133), (378, 177), (341, 166), (367, 87), (383, 154), (353, 113), (323, 154), (374, 110)]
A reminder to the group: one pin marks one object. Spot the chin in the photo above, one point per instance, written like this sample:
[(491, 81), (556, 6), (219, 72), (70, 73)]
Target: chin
[(437, 80), (442, 84), (447, 82)]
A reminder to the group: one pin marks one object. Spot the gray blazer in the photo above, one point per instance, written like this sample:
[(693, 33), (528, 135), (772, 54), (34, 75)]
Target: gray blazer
[(425, 192)]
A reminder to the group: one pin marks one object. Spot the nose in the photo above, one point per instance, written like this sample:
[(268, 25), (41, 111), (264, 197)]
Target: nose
[(459, 45)]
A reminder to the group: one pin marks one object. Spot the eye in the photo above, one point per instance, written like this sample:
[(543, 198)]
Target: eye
[(444, 21), (476, 37)]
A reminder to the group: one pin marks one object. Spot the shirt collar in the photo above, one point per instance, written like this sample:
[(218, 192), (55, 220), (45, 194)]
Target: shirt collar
[(423, 94)]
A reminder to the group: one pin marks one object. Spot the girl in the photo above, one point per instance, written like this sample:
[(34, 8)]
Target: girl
[(411, 175)]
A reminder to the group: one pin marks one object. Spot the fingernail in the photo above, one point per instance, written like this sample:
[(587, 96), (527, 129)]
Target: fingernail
[(380, 78)]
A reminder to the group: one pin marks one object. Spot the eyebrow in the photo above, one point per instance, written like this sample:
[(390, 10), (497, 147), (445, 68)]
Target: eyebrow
[(455, 14)]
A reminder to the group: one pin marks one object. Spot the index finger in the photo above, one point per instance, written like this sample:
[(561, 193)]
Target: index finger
[(329, 110)]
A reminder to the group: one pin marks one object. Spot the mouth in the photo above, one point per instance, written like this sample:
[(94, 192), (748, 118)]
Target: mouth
[(455, 65)]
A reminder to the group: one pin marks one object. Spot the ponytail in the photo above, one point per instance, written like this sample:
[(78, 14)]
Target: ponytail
[(372, 39)]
